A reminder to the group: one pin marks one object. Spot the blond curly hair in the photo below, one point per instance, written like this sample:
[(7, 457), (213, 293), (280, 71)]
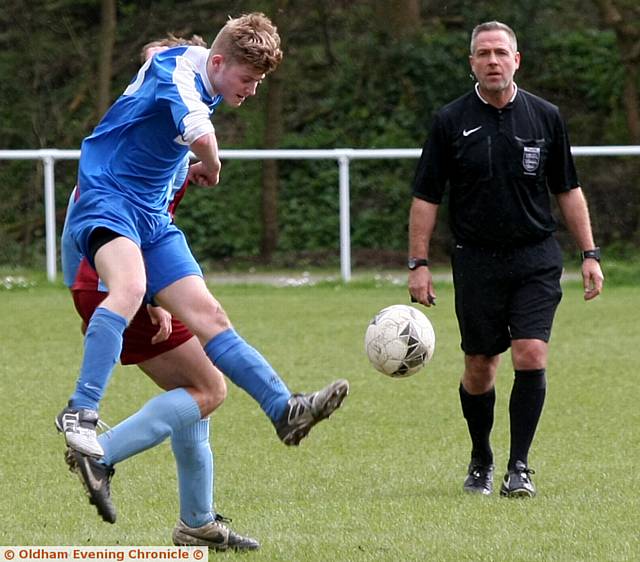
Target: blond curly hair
[(250, 39)]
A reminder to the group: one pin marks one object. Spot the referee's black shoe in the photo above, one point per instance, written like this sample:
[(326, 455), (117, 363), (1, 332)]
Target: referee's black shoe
[(479, 479), (517, 482), (96, 480)]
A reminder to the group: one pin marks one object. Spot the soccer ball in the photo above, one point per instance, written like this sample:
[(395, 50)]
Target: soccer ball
[(399, 341)]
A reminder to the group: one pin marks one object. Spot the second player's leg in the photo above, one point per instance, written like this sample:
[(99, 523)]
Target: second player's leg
[(188, 367), (190, 301), (292, 415)]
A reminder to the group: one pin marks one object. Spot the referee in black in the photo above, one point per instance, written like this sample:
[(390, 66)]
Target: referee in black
[(500, 150)]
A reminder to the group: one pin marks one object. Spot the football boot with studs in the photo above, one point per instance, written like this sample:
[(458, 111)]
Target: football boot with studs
[(303, 411)]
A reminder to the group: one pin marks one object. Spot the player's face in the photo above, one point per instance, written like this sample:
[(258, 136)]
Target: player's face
[(235, 82), (494, 62)]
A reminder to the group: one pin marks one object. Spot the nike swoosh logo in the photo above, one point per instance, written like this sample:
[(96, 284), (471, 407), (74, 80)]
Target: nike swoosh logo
[(91, 387), (466, 133), (92, 481)]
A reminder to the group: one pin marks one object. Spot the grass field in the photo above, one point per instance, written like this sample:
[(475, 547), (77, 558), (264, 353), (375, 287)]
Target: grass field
[(382, 479)]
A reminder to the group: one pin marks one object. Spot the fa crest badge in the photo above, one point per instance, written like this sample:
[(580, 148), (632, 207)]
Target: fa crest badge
[(531, 158)]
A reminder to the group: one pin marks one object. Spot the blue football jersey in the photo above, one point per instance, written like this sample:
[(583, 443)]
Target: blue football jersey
[(142, 140)]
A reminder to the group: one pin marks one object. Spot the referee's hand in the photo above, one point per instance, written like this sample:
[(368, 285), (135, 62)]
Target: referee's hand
[(421, 286), (592, 279)]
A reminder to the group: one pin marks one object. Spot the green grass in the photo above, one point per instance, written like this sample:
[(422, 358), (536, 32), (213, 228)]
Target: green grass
[(382, 479)]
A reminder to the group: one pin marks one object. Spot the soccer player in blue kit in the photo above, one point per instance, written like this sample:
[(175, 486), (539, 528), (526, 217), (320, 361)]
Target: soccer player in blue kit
[(120, 223), (164, 349)]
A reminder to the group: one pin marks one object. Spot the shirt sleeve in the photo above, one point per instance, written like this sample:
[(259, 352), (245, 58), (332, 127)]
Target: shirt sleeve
[(561, 170), (432, 172), (177, 87)]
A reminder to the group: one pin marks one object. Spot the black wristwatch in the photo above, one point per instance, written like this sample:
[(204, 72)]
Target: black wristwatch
[(415, 263), (594, 254)]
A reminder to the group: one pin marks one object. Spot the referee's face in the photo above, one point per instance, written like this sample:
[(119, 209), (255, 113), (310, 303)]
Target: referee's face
[(494, 62)]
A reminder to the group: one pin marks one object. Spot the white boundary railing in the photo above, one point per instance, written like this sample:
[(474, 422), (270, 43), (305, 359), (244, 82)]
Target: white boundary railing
[(342, 155)]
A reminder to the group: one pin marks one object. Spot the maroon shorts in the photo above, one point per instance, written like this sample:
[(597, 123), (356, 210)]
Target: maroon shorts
[(136, 342)]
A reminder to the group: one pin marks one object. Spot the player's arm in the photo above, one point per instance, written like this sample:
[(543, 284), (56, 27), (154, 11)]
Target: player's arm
[(177, 88), (422, 222), (207, 170), (575, 213)]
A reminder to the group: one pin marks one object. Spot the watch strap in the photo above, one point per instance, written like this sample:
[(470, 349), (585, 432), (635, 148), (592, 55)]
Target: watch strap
[(594, 254), (414, 263)]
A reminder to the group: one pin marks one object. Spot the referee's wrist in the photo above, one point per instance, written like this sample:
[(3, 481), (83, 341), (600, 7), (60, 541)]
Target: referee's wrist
[(593, 253), (415, 263)]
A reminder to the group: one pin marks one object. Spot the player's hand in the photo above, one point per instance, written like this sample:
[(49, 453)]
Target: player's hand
[(421, 286), (201, 175), (592, 279), (161, 318)]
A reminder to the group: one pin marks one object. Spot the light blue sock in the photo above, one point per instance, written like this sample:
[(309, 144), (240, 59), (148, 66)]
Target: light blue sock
[(195, 464), (153, 423), (250, 371), (102, 347)]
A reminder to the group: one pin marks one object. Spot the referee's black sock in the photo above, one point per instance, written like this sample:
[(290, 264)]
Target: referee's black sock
[(525, 406), (478, 411)]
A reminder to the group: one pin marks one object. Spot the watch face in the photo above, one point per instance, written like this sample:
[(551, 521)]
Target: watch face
[(594, 254), (413, 263)]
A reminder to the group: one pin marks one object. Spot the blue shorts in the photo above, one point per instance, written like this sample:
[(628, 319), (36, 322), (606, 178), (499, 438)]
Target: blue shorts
[(167, 255), (168, 259)]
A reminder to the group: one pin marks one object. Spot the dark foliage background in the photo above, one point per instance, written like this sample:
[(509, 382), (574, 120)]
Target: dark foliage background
[(351, 78)]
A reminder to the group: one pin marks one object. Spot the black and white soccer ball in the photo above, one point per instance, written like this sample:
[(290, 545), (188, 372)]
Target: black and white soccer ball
[(399, 341)]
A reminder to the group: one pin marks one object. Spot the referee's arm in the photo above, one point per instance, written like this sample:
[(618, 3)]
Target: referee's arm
[(575, 213), (422, 222)]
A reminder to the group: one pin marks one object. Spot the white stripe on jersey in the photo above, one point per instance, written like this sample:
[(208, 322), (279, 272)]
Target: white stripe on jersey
[(135, 85), (139, 143), (196, 122)]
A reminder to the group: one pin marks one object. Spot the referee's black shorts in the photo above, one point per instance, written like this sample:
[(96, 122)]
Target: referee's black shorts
[(505, 294)]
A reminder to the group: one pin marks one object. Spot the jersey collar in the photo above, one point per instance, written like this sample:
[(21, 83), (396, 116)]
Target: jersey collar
[(513, 97), (216, 98), (205, 77)]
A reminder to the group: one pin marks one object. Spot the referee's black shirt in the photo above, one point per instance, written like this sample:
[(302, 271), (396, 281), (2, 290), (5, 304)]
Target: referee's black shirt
[(500, 165)]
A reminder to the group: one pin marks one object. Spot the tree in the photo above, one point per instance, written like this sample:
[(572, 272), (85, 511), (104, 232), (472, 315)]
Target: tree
[(399, 18), (272, 139), (107, 41), (623, 16)]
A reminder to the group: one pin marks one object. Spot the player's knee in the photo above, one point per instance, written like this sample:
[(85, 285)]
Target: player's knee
[(212, 396), (136, 289), (218, 317), (128, 295), (220, 395), (209, 322)]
